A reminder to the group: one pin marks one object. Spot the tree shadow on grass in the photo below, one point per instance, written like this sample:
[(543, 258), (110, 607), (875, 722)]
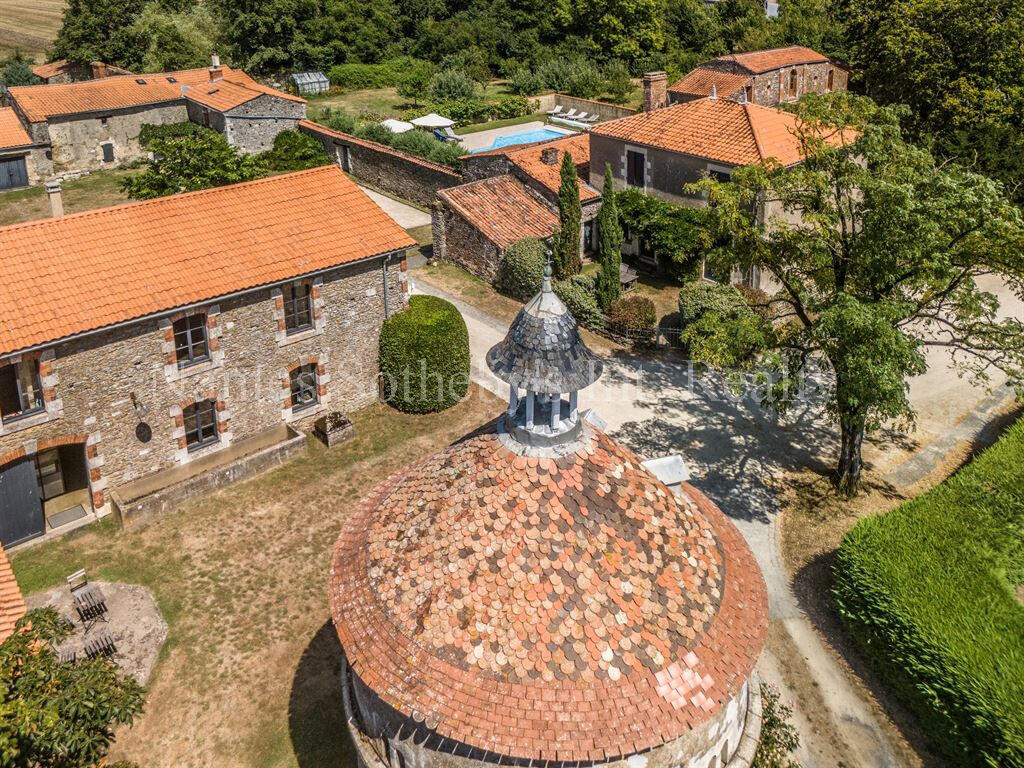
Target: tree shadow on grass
[(316, 716)]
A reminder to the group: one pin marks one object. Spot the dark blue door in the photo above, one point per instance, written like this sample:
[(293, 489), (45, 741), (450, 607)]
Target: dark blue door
[(21, 508), (13, 173)]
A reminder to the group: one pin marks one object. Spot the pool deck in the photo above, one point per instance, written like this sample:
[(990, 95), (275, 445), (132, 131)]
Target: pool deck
[(484, 139)]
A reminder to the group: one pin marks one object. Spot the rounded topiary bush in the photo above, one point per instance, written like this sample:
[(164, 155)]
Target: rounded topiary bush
[(577, 293), (633, 316), (521, 270), (424, 356)]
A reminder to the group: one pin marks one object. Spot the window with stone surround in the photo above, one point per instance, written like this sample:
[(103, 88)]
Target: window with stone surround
[(298, 306), (21, 391), (304, 386), (635, 168), (200, 424), (191, 345)]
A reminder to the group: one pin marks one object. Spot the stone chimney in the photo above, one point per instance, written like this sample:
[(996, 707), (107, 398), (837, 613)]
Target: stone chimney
[(655, 90), (549, 155), (99, 70), (714, 92), (216, 73), (56, 200)]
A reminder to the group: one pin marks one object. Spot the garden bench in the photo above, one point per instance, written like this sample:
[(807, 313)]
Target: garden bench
[(100, 645)]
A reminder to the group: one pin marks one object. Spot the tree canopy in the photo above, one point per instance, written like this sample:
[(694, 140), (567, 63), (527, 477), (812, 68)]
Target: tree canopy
[(889, 256), (55, 713)]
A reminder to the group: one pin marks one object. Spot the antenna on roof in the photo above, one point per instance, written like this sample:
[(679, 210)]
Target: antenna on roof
[(714, 92)]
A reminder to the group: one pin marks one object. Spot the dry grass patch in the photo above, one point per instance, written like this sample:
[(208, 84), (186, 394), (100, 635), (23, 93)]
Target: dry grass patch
[(97, 190), (29, 26), (248, 676)]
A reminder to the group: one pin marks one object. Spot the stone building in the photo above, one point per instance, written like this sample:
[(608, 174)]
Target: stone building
[(20, 158), (534, 596), (150, 337), (515, 195), (94, 124), (662, 150), (767, 77), (64, 71)]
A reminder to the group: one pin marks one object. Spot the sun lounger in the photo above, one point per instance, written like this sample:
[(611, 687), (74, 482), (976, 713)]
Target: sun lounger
[(591, 119), (556, 111), (582, 116), (570, 114), (440, 136), (451, 134)]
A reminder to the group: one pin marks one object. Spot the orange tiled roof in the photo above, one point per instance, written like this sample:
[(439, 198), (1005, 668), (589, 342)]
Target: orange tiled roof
[(226, 94), (529, 161), (90, 270), (758, 62), (12, 604), (40, 102), (699, 82), (482, 593), (50, 69), (12, 132), (715, 129), (502, 209)]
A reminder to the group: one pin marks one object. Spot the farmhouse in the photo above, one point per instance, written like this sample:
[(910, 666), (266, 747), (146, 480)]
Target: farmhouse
[(515, 624), (64, 71), (515, 195), (766, 77), (170, 334), (94, 124)]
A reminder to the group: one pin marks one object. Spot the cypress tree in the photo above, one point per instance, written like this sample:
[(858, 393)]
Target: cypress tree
[(567, 253), (609, 244)]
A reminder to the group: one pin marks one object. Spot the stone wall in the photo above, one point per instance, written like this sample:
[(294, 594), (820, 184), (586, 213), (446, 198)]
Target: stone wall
[(665, 172), (603, 109), (460, 243), (251, 127), (77, 141), (100, 387), (397, 173)]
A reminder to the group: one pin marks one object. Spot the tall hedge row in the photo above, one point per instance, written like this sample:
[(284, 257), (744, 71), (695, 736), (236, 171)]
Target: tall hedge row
[(929, 593), (424, 356)]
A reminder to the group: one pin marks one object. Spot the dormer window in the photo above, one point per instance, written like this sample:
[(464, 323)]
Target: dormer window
[(190, 341)]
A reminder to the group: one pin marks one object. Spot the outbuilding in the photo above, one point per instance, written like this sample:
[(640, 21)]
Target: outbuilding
[(309, 83)]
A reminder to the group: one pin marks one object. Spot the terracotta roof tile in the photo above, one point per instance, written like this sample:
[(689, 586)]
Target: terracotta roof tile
[(716, 129), (12, 132), (12, 604), (89, 270), (758, 62), (226, 94), (40, 102), (699, 82), (541, 607), (549, 175), (50, 69), (502, 209)]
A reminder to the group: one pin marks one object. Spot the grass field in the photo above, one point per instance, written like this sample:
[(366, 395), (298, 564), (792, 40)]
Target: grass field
[(97, 190), (29, 26)]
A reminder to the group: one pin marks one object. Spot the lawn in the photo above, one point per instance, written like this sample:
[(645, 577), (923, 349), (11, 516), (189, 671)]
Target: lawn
[(383, 101), (248, 676), (96, 190), (29, 26)]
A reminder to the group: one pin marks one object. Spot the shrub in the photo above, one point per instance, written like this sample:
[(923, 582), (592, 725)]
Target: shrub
[(633, 316), (717, 325), (618, 84), (525, 82), (295, 151), (17, 70), (555, 73), (577, 294), (149, 132), (585, 79), (424, 356), (927, 593), (452, 84), (521, 270), (339, 120), (778, 736)]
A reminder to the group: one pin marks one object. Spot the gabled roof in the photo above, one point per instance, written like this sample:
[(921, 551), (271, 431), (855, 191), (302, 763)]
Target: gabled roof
[(759, 62), (502, 209), (40, 102), (12, 132), (714, 129), (87, 271), (699, 83), (51, 69), (12, 604), (225, 94), (529, 160)]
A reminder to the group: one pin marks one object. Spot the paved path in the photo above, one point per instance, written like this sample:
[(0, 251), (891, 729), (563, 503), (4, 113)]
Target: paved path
[(733, 446), (405, 215)]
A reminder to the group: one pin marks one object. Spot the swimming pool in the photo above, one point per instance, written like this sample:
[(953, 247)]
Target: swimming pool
[(526, 137)]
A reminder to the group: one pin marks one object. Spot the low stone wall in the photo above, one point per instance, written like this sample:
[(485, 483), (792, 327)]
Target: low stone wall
[(129, 504), (395, 172), (604, 110)]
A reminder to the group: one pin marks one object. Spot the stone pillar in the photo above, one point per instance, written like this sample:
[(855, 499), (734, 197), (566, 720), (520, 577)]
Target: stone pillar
[(530, 404), (56, 200), (556, 410)]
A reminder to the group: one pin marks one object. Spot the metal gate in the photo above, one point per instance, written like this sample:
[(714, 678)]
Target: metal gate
[(13, 173), (21, 508)]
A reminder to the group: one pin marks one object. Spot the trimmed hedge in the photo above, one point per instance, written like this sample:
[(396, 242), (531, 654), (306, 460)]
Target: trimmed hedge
[(521, 270), (633, 316), (927, 592), (424, 356)]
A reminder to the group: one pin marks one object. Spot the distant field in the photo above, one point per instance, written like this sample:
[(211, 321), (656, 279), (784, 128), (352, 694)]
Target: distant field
[(29, 26)]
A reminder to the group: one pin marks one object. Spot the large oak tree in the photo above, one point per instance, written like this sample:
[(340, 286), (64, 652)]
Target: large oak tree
[(885, 259)]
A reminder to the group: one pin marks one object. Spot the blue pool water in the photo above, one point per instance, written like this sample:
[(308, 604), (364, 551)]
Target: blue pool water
[(526, 137)]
